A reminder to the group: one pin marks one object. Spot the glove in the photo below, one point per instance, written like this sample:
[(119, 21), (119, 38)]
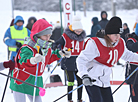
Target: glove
[(37, 58), (9, 64), (18, 44), (65, 53), (87, 81), (55, 46)]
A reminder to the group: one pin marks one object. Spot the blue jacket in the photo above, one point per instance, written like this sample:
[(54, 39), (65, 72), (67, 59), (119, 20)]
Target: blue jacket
[(136, 30), (7, 37), (95, 27)]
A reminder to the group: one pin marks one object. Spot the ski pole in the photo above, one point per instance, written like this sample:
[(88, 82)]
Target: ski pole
[(19, 80), (38, 47), (68, 93), (126, 80), (51, 72), (41, 90), (69, 49), (5, 86), (6, 83)]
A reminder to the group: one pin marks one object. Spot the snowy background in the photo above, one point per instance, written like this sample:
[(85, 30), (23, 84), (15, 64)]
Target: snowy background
[(127, 16)]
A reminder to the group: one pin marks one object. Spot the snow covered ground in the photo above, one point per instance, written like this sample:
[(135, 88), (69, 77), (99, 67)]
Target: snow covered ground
[(53, 93)]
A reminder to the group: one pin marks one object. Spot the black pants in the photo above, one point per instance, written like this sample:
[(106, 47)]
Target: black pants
[(70, 77), (134, 92), (99, 94)]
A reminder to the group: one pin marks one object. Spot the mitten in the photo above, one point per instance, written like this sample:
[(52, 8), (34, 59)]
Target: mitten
[(9, 64), (87, 81), (37, 58), (65, 53)]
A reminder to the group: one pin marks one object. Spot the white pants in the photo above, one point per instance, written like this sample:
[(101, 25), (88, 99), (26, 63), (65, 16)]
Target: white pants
[(20, 97)]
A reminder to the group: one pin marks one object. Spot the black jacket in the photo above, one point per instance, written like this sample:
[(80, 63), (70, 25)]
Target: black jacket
[(56, 34), (95, 27), (134, 48), (103, 22), (123, 35)]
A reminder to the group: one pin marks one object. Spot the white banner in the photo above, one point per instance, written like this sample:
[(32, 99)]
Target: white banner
[(67, 7)]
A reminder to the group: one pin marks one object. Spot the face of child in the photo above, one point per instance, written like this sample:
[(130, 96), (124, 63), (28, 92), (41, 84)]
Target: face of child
[(45, 37), (114, 37), (78, 31)]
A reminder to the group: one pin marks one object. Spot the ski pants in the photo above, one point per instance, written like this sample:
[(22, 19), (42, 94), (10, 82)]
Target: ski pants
[(134, 92), (99, 94), (20, 97), (70, 77)]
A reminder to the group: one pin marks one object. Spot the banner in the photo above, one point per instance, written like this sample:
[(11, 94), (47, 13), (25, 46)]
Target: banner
[(67, 7)]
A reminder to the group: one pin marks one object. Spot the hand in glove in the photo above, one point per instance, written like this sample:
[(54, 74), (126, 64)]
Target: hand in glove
[(9, 64), (87, 81), (55, 46), (18, 44), (65, 53), (37, 58)]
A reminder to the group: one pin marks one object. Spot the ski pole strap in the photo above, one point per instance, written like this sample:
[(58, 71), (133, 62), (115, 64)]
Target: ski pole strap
[(68, 93), (125, 80)]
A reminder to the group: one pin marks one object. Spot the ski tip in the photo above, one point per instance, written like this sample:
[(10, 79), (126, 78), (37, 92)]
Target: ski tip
[(42, 91)]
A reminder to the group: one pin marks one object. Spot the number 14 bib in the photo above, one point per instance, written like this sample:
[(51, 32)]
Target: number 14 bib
[(76, 45)]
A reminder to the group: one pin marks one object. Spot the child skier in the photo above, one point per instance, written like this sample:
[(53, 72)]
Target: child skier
[(73, 36), (100, 54), (36, 49)]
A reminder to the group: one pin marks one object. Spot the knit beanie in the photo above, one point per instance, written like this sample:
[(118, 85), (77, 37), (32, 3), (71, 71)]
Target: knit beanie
[(114, 26), (76, 23), (45, 32)]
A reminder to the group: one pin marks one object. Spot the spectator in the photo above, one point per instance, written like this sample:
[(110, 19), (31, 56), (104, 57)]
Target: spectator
[(135, 23), (125, 31), (103, 20), (14, 36), (95, 27), (31, 21), (136, 30)]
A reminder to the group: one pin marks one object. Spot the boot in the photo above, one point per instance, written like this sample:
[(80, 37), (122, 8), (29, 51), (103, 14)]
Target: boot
[(70, 101), (79, 101)]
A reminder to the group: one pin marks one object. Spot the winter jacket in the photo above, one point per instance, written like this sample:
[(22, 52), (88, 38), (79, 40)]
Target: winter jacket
[(103, 21), (12, 42), (136, 30), (70, 63), (132, 45), (30, 24), (26, 71), (123, 35), (56, 34), (87, 61), (95, 27)]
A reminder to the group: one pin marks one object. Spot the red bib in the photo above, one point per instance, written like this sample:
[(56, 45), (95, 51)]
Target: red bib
[(76, 45), (24, 70), (108, 55)]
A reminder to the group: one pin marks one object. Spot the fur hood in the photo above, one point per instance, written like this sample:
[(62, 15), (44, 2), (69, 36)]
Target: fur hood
[(74, 36)]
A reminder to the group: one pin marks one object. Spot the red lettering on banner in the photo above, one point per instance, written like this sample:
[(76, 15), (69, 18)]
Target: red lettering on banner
[(68, 15), (66, 6), (68, 24)]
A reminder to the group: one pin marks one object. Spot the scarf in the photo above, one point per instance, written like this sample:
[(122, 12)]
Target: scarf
[(44, 45)]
